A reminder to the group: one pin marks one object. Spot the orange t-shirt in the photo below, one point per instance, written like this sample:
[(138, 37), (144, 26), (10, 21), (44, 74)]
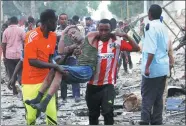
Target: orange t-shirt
[(26, 37), (37, 47)]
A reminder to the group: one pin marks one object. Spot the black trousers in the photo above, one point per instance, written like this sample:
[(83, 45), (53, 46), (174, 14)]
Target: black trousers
[(152, 99), (11, 64), (125, 64), (100, 98), (63, 90)]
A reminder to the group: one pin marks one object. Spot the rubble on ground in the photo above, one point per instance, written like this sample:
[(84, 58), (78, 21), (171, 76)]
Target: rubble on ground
[(71, 113)]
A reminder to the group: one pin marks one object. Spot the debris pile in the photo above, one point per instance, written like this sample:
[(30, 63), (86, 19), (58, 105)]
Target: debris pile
[(72, 113)]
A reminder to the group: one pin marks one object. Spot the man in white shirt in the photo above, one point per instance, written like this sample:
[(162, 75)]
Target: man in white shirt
[(155, 68)]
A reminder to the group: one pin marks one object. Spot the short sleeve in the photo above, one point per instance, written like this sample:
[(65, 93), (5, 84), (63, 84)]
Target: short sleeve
[(31, 50), (4, 39), (125, 46), (150, 41)]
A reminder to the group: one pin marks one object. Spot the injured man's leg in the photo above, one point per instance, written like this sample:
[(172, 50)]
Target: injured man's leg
[(41, 106), (46, 84), (79, 74)]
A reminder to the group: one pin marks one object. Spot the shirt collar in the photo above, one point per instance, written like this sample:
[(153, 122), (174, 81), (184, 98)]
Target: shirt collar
[(13, 25), (38, 29), (157, 20)]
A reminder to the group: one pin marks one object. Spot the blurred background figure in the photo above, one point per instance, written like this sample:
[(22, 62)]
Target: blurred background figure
[(12, 44), (76, 22), (31, 24), (89, 25), (38, 23), (4, 26), (62, 21)]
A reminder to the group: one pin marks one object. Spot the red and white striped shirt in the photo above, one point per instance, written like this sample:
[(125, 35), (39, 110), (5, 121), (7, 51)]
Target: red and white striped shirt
[(108, 55)]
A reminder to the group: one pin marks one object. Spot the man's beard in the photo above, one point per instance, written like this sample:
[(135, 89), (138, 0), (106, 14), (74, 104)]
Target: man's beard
[(104, 38), (51, 29)]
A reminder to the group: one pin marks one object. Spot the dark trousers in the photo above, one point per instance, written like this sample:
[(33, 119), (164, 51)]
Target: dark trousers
[(63, 90), (5, 64), (125, 64), (152, 99), (75, 90), (100, 96), (11, 64), (75, 87)]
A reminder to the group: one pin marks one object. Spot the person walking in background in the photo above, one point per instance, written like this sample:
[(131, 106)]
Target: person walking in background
[(89, 26), (12, 44), (125, 56), (31, 24), (4, 26)]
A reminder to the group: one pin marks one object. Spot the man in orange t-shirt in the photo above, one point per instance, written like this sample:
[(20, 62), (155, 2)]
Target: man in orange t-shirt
[(39, 48)]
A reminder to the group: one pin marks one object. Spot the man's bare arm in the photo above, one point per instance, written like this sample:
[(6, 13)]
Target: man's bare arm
[(4, 49), (170, 53), (41, 64), (149, 61)]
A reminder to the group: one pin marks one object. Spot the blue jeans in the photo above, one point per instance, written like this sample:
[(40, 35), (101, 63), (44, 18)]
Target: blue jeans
[(74, 77), (77, 74)]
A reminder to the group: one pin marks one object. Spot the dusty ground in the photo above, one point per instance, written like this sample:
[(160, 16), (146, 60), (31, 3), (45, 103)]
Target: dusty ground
[(71, 113), (13, 113)]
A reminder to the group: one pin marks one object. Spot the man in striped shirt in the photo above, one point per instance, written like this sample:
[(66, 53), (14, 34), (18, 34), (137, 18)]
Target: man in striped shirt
[(99, 56), (100, 89)]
